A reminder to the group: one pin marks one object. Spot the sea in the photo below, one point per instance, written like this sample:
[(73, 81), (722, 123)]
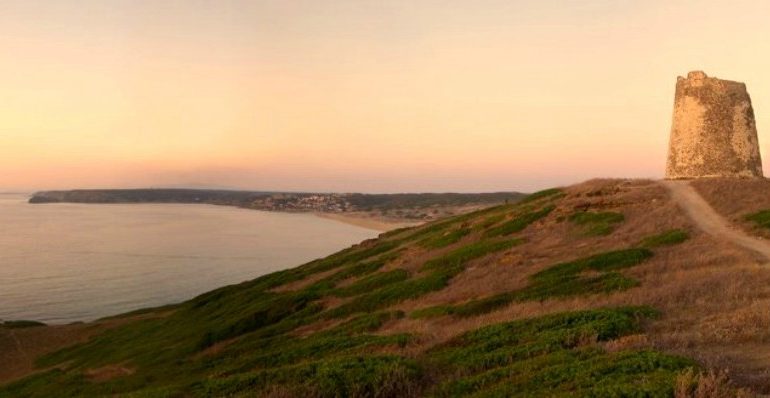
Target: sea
[(63, 263)]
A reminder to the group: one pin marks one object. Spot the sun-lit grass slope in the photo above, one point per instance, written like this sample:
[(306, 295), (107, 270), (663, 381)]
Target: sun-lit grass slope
[(599, 289)]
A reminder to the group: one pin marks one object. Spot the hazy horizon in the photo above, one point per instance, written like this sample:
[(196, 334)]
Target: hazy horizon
[(226, 188), (357, 96)]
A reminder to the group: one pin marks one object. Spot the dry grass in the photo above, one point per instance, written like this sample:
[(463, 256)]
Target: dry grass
[(630, 342), (711, 384)]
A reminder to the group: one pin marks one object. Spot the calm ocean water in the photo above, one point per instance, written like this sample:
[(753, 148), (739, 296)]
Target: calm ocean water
[(73, 262)]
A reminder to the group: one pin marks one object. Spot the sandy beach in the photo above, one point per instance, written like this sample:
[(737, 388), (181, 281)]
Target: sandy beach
[(366, 221)]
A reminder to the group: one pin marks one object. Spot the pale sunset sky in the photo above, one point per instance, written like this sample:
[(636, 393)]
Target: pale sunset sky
[(373, 96)]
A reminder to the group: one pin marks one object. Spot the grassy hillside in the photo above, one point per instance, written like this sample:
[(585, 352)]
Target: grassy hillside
[(601, 289)]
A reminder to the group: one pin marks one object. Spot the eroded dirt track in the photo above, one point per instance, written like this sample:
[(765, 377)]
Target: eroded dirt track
[(707, 219)]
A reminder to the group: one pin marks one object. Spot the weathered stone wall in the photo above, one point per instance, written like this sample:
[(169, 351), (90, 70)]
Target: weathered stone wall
[(713, 132)]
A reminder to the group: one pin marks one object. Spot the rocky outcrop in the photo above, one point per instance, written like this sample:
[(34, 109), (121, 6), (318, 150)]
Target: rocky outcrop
[(713, 133)]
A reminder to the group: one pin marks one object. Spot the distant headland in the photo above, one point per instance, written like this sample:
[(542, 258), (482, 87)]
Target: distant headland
[(377, 211)]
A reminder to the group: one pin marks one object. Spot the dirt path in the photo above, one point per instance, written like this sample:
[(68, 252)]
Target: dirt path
[(707, 219)]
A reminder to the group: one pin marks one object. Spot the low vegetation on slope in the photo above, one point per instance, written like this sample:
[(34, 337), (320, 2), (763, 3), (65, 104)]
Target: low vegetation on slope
[(556, 355), (760, 219), (596, 223), (670, 237), (561, 280), (349, 324)]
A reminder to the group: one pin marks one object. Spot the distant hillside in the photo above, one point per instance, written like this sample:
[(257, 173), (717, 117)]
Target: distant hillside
[(603, 289), (409, 206), (154, 195)]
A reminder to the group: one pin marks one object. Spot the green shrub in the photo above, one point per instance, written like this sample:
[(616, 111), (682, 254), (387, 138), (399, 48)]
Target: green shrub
[(587, 217), (575, 286), (367, 322), (565, 279), (346, 257), (482, 306), (670, 237), (357, 270), (271, 312), (608, 261), (579, 372), (431, 312), (462, 255), (320, 346), (596, 223), (347, 338), (327, 284), (355, 376), (444, 239), (520, 222), (760, 218), (372, 282), (394, 293), (555, 355)]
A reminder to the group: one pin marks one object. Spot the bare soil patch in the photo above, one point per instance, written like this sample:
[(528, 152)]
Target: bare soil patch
[(109, 372), (20, 347)]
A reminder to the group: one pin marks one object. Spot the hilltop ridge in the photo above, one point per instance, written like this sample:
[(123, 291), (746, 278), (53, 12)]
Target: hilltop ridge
[(604, 288)]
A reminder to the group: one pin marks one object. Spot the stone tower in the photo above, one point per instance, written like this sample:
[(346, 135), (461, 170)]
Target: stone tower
[(713, 133)]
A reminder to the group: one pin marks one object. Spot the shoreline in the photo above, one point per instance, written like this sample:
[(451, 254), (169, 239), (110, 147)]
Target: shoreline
[(366, 221)]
